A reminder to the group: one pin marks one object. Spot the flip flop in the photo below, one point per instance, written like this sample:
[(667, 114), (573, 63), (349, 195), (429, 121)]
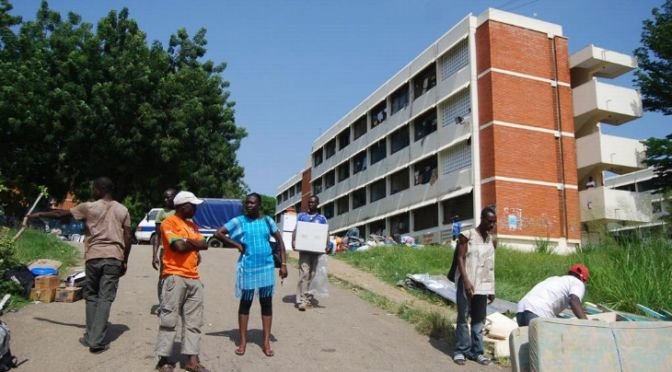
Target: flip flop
[(240, 351), (269, 352)]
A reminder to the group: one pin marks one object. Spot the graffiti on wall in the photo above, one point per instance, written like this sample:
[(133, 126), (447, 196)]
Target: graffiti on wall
[(514, 218)]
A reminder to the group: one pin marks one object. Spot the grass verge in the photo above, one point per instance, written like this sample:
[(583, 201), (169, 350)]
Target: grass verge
[(623, 274)]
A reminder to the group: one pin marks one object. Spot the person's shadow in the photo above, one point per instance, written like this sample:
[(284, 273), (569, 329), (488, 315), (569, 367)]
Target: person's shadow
[(114, 331), (254, 336), (291, 299)]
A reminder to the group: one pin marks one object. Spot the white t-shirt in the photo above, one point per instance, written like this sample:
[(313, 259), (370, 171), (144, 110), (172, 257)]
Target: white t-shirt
[(550, 297)]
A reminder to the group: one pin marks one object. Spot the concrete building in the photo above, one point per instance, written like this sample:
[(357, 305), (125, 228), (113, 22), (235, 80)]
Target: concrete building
[(494, 113)]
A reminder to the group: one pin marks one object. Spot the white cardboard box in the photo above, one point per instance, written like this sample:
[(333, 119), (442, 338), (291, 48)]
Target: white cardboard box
[(311, 237)]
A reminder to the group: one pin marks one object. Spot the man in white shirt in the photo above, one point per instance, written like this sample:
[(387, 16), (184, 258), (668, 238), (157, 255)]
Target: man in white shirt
[(550, 297)]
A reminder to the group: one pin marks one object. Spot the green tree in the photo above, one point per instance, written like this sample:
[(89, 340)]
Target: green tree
[(654, 76), (76, 104), (659, 156), (268, 205)]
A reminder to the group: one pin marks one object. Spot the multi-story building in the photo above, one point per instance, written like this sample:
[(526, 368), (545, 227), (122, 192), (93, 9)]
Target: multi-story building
[(483, 117)]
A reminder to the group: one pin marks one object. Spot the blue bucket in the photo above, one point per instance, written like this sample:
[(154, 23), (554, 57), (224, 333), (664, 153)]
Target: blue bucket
[(37, 271)]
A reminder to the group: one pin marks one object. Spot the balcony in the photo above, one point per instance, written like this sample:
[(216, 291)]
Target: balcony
[(595, 102), (593, 61), (601, 152), (609, 205)]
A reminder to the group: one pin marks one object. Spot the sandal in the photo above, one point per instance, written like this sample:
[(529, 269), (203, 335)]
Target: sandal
[(166, 368), (269, 352), (482, 360), (198, 368), (240, 350), (459, 359)]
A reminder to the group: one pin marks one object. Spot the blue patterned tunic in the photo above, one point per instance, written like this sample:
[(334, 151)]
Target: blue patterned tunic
[(255, 269)]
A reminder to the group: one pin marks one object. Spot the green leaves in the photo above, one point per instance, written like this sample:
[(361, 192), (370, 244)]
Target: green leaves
[(76, 104), (654, 76)]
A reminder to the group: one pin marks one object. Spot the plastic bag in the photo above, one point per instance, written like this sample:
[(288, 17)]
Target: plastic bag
[(319, 286)]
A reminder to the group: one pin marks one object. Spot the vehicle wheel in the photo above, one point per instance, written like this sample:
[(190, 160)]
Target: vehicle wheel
[(214, 243), (152, 239)]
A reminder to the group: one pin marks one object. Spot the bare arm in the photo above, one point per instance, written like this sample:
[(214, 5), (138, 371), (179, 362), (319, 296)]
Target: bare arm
[(155, 247), (577, 309), (54, 213), (462, 248), (186, 245), (283, 253), (221, 235)]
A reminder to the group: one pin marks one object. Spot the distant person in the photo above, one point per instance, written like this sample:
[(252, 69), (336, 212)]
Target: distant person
[(456, 226), (182, 292), (255, 272), (475, 281), (553, 295), (157, 246), (308, 260), (106, 249), (590, 183)]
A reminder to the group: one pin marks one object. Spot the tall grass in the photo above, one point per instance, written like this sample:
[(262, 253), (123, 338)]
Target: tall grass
[(33, 245), (622, 274)]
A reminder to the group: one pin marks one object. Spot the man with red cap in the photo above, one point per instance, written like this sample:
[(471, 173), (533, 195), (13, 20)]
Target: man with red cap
[(550, 297)]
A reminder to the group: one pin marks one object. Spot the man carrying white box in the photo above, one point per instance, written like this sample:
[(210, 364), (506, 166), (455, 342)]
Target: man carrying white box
[(311, 239)]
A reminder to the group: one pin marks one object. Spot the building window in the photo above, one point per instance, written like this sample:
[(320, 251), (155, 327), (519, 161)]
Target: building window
[(317, 157), (343, 171), (454, 60), (328, 210), (330, 148), (455, 158), (399, 181), (456, 108), (344, 138), (399, 139), (298, 187), (359, 162), (377, 228), (317, 186), (358, 198), (424, 81), (377, 190), (378, 114), (359, 127), (378, 151), (399, 99), (342, 205), (425, 171), (461, 206), (278, 199), (425, 124), (292, 191), (426, 217), (329, 179), (399, 225)]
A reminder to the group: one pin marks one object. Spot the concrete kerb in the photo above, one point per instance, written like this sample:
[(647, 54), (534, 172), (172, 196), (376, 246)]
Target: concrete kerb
[(360, 279)]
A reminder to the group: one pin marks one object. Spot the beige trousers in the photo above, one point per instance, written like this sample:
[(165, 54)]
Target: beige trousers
[(180, 298)]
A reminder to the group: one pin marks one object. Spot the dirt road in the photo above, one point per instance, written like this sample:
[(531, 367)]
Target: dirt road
[(344, 333)]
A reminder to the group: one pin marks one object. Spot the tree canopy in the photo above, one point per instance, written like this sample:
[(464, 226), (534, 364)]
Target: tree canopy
[(78, 102), (654, 76)]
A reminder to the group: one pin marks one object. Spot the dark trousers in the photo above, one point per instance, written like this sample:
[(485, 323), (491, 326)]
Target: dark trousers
[(100, 290), (524, 318)]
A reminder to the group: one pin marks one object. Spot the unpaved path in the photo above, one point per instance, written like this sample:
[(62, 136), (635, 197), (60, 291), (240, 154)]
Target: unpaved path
[(344, 333)]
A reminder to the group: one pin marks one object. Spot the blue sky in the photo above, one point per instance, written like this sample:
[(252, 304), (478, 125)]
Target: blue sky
[(297, 66)]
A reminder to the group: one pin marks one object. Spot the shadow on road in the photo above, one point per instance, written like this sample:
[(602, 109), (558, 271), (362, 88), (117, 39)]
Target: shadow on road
[(254, 336), (114, 331)]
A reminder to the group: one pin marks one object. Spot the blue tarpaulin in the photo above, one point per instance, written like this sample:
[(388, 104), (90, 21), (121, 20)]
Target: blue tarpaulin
[(214, 213)]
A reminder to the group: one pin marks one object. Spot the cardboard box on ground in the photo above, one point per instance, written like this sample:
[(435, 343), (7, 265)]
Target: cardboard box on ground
[(68, 294), (47, 282), (43, 295)]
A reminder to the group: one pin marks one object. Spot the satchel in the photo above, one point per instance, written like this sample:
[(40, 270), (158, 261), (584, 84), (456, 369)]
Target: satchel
[(453, 268), (275, 247)]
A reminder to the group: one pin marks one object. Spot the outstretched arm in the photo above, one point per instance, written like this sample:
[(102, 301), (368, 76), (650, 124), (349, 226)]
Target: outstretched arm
[(575, 305)]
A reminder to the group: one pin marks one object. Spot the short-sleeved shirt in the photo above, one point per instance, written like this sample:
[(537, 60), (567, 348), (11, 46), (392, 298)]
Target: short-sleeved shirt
[(479, 262), (163, 214), (312, 218), (550, 297), (255, 266), (105, 221), (184, 264)]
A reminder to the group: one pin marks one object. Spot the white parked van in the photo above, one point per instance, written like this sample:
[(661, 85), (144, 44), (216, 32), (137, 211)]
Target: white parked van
[(146, 230)]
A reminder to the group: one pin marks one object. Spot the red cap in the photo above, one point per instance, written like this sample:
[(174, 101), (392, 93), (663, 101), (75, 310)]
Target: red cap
[(581, 271)]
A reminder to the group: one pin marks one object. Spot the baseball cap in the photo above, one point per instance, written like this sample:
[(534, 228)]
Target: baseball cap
[(581, 270), (184, 197)]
